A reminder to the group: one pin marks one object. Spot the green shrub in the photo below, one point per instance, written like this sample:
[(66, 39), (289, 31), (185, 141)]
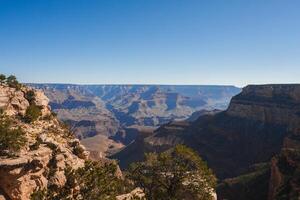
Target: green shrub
[(177, 174), (12, 82), (53, 114), (33, 112), (47, 117), (2, 78), (30, 96), (39, 195), (97, 181), (11, 139), (78, 151)]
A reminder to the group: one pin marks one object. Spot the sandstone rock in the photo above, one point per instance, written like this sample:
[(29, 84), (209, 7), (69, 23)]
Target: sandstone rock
[(58, 179), (4, 97), (21, 176), (40, 98), (137, 193), (275, 179), (12, 101), (42, 101)]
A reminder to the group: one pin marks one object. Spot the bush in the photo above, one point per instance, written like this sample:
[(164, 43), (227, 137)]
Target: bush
[(2, 78), (53, 114), (11, 139), (30, 96), (12, 82), (78, 151), (39, 195), (97, 181), (33, 112), (176, 174)]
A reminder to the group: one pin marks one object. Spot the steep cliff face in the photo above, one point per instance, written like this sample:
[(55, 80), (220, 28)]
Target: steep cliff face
[(86, 113), (47, 147), (275, 104)]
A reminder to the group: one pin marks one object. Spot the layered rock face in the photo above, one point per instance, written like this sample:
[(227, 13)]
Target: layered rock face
[(275, 104), (85, 112), (48, 151), (122, 110), (106, 109)]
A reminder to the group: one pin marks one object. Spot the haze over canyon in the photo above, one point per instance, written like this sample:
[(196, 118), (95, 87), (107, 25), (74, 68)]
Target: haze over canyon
[(107, 117)]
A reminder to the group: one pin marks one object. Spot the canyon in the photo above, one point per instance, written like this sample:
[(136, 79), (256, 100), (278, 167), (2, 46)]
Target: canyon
[(107, 118)]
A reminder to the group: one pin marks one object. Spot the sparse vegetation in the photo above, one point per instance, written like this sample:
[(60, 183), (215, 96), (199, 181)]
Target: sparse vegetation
[(98, 182), (33, 112), (176, 174), (252, 185), (53, 114), (30, 96), (50, 116), (2, 79), (13, 82), (78, 151), (11, 139), (39, 195), (95, 182)]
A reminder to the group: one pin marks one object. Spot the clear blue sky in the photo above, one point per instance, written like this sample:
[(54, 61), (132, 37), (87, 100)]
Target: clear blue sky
[(151, 41)]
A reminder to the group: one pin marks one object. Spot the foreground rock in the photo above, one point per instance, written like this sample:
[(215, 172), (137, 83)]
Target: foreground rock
[(49, 149), (134, 194)]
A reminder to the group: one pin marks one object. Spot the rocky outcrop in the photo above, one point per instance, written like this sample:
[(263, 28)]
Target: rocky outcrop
[(275, 179), (134, 194), (42, 101), (12, 101), (48, 151)]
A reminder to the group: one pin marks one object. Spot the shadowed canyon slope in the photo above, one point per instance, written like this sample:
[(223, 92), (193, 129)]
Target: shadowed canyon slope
[(262, 124)]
